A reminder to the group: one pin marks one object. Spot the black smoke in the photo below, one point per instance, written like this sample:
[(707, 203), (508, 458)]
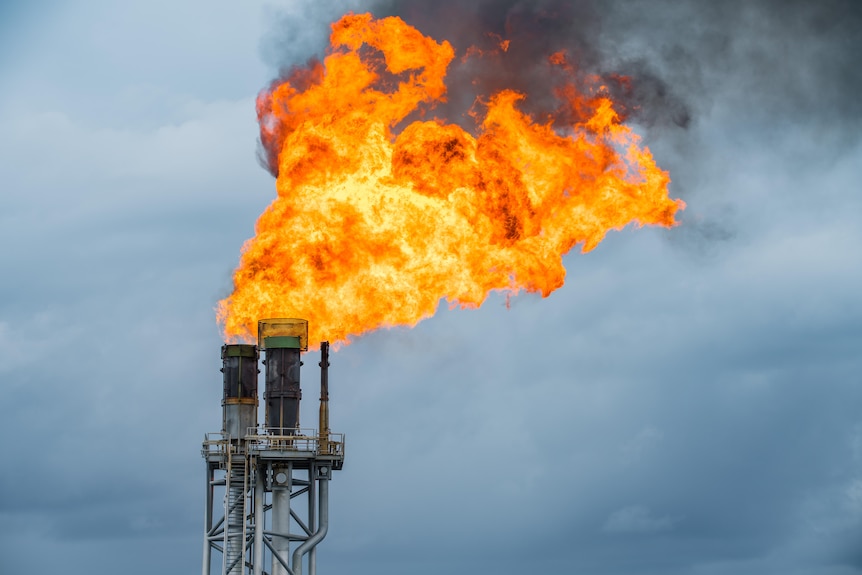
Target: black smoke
[(532, 32)]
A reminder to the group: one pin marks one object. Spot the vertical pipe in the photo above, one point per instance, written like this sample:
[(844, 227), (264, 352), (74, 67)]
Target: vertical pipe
[(281, 519), (312, 516), (283, 392), (208, 522), (257, 562), (239, 401), (323, 446), (317, 537)]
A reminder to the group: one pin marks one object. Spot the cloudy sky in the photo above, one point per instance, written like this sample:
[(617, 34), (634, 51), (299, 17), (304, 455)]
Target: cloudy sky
[(690, 402)]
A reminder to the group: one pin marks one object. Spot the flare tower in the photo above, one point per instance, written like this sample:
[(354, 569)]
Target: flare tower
[(274, 478)]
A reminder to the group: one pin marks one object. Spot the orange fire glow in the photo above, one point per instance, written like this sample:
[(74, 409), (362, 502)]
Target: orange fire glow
[(372, 228)]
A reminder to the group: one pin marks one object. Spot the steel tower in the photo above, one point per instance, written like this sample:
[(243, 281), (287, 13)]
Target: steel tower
[(275, 477)]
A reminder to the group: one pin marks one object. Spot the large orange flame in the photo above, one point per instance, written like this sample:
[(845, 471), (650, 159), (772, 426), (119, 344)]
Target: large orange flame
[(372, 229)]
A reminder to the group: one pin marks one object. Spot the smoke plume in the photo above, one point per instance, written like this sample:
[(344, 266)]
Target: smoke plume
[(504, 44)]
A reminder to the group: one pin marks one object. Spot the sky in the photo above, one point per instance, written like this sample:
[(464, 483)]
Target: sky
[(687, 404)]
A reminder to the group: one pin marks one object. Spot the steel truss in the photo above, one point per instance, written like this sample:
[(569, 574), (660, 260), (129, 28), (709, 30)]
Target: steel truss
[(274, 506)]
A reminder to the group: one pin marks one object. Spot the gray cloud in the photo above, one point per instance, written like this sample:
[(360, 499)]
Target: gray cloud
[(637, 519), (691, 391)]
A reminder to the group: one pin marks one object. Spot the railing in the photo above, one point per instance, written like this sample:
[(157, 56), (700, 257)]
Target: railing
[(295, 439), (217, 444), (276, 439)]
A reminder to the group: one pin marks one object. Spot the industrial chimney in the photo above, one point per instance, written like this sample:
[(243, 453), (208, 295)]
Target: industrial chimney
[(283, 340), (239, 400), (279, 471)]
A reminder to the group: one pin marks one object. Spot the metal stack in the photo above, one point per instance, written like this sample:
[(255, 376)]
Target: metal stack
[(275, 478)]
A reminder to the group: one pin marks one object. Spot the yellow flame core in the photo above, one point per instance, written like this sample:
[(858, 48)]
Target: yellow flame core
[(372, 230)]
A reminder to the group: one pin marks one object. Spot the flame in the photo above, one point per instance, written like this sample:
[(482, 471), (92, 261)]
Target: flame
[(372, 228)]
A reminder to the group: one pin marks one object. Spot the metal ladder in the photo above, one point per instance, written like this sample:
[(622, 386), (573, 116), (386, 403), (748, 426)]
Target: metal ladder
[(235, 512)]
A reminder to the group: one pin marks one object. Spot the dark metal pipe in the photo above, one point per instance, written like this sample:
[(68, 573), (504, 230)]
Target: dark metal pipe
[(283, 340), (283, 392), (324, 397), (239, 398)]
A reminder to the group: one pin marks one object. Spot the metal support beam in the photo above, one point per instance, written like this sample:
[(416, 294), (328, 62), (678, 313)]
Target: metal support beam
[(208, 520), (278, 558), (258, 522), (312, 518), (281, 517)]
